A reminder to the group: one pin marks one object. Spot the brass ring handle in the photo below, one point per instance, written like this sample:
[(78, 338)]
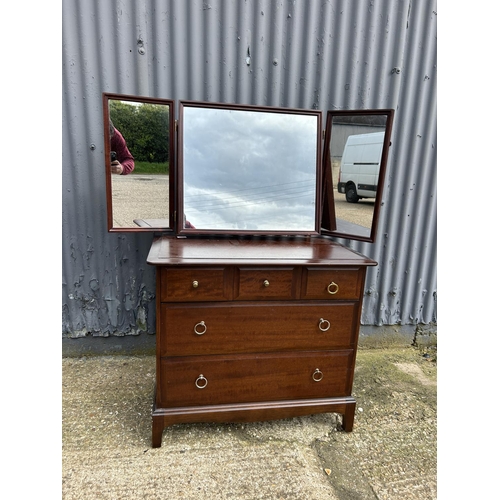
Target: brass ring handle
[(201, 382), (195, 284), (266, 283), (332, 288), (324, 325), (202, 330), (317, 376)]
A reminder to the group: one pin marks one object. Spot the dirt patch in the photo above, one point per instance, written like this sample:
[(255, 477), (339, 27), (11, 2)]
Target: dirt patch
[(415, 371), (392, 452)]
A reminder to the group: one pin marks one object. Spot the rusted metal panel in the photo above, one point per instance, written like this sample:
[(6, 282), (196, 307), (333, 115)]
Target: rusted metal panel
[(313, 54)]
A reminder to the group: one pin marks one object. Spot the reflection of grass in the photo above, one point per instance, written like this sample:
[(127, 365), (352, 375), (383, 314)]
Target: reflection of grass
[(144, 167)]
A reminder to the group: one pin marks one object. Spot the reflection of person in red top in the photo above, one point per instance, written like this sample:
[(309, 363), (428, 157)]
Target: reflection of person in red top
[(122, 161)]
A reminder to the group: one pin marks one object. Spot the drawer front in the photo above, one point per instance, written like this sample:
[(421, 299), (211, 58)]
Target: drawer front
[(208, 380), (193, 284), (265, 284), (197, 329), (332, 283)]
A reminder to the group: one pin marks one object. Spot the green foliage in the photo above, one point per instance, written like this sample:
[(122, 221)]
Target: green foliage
[(146, 167), (145, 127)]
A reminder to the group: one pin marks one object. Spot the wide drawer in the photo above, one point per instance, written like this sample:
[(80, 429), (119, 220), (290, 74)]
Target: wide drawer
[(195, 329), (337, 284), (209, 380), (194, 284)]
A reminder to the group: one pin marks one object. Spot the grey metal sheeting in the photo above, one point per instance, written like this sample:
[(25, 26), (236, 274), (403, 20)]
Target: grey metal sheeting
[(313, 54)]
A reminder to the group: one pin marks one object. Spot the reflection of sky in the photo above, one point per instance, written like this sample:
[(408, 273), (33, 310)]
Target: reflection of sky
[(249, 170)]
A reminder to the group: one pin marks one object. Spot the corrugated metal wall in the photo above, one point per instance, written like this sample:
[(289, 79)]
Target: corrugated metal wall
[(316, 54)]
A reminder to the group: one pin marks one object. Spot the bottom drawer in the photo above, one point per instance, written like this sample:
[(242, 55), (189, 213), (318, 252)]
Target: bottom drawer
[(208, 380)]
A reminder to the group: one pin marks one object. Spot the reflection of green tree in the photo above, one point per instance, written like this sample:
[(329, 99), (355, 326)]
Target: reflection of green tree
[(145, 128)]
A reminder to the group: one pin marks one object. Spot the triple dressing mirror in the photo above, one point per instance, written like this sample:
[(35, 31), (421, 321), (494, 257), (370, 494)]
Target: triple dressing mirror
[(227, 169)]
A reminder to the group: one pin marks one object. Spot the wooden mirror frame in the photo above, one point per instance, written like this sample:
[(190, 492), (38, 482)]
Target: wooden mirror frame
[(170, 227), (329, 224), (181, 230)]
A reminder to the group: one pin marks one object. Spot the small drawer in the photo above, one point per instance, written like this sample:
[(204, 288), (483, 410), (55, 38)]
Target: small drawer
[(189, 329), (209, 380), (265, 284), (337, 284), (193, 284)]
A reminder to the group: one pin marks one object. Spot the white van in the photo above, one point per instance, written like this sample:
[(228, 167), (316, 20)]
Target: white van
[(359, 167)]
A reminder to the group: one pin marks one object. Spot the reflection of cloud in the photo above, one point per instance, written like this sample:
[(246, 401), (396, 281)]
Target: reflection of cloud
[(220, 210), (245, 168)]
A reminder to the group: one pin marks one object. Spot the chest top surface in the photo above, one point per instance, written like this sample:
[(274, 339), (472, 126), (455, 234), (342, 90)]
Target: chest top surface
[(318, 251)]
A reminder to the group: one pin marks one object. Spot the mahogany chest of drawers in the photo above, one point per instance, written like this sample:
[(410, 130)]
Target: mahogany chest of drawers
[(254, 329)]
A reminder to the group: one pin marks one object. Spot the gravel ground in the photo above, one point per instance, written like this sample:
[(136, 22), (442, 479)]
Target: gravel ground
[(391, 454), (140, 196)]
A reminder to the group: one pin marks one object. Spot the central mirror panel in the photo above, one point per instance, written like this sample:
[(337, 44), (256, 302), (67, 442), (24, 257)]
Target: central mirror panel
[(248, 169)]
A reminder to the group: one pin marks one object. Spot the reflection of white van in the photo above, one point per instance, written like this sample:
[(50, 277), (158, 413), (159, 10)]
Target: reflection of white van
[(359, 168)]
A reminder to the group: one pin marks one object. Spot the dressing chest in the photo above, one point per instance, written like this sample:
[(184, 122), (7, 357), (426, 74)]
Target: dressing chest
[(258, 307), (255, 329)]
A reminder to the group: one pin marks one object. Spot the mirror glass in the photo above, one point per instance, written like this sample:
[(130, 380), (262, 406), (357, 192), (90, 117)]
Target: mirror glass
[(139, 162), (248, 169), (355, 160)]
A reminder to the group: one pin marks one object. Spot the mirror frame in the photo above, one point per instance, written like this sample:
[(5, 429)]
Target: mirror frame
[(329, 220), (266, 109), (106, 97)]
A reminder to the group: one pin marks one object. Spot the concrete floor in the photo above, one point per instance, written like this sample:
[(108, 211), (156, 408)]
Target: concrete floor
[(391, 454)]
